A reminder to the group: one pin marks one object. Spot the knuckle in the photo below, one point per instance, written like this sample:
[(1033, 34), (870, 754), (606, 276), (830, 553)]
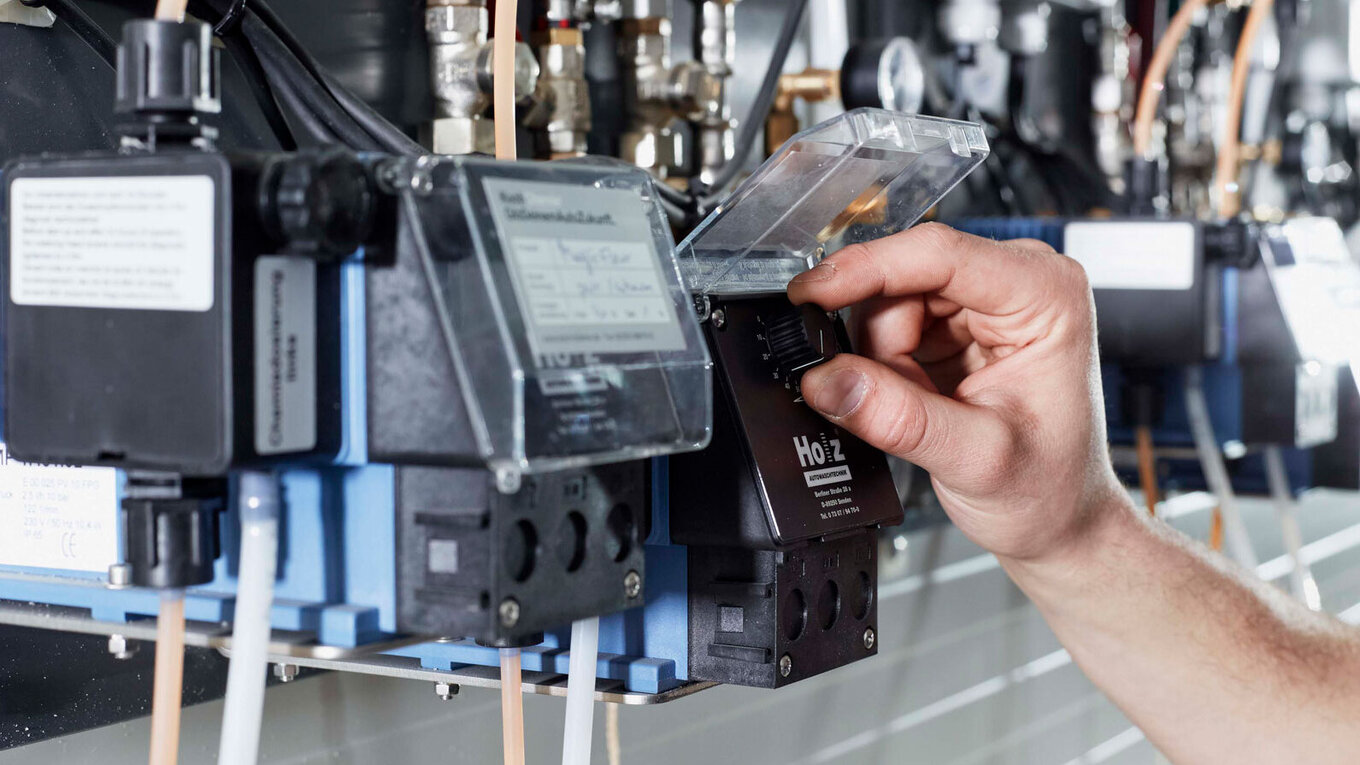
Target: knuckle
[(1073, 272), (1034, 245), (859, 252), (939, 236)]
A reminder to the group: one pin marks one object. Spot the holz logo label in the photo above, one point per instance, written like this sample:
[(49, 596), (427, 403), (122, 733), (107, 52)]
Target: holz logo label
[(825, 459), (814, 453)]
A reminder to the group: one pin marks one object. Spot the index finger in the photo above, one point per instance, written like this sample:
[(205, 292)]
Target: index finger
[(990, 277)]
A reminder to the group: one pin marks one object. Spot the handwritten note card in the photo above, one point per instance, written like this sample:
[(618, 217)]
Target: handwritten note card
[(586, 268)]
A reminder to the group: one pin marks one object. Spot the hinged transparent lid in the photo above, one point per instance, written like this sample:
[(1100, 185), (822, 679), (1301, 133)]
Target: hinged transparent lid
[(561, 305), (861, 176)]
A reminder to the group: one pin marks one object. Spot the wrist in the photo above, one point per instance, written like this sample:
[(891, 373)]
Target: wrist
[(1107, 524)]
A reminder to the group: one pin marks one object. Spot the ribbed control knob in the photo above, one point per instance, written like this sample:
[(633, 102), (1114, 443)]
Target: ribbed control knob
[(318, 202), (789, 344)]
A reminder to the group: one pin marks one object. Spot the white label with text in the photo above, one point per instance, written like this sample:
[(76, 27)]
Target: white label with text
[(134, 243), (57, 517), (285, 354)]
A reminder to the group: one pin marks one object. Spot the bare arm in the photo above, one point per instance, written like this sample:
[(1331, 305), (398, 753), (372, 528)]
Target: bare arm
[(979, 365)]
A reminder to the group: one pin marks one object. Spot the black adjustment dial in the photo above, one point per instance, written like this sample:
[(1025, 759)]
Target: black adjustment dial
[(790, 346)]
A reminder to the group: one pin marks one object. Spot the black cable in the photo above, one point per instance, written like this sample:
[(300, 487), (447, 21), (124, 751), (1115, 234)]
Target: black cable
[(760, 107), (382, 131), (264, 94), (91, 33), (230, 19), (285, 70), (673, 195), (304, 122), (285, 58)]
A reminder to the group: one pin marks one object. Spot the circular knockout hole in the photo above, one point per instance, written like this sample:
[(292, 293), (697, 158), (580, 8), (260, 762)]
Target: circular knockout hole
[(795, 614), (521, 550), (828, 605), (622, 532), (864, 599), (571, 540)]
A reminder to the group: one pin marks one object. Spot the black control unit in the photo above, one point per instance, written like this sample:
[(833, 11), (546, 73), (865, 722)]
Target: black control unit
[(177, 311), (780, 513)]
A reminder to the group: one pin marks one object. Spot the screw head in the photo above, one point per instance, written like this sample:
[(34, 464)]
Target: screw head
[(785, 665), (869, 638), (121, 648), (632, 584), (286, 673), (719, 318), (445, 691), (509, 612)]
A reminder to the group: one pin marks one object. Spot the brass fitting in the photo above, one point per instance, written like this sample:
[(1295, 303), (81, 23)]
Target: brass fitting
[(810, 85)]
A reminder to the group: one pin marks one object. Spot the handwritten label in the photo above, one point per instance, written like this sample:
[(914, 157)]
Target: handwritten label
[(590, 282), (585, 268)]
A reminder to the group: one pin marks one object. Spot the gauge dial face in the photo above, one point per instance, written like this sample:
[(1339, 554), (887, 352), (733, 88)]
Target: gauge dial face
[(901, 77)]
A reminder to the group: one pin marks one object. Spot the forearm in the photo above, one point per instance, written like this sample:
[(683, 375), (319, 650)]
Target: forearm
[(1212, 664)]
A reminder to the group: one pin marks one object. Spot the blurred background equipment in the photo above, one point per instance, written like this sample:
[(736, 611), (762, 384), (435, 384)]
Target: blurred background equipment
[(298, 374)]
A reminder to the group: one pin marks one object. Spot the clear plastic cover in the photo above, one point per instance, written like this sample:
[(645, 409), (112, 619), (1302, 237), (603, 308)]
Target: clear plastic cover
[(1318, 286), (561, 302), (861, 176)]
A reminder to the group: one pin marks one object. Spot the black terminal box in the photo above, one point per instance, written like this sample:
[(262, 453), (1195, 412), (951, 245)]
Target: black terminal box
[(158, 315), (781, 512), (777, 473)]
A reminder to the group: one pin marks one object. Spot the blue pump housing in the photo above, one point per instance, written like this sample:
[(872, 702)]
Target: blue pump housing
[(337, 567)]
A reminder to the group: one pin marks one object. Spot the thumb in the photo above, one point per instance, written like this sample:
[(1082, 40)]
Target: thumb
[(888, 411)]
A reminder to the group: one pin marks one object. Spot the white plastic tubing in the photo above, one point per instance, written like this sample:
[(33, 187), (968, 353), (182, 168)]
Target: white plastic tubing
[(259, 507), (580, 724), (1215, 472), (1301, 579)]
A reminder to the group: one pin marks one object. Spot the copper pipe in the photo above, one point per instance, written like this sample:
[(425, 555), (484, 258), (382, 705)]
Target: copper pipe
[(1147, 467), (1229, 199)]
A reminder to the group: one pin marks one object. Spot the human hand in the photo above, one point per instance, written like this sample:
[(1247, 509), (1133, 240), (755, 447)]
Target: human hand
[(978, 363)]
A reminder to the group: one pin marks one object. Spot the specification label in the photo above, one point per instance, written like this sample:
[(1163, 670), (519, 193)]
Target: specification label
[(141, 243), (57, 517)]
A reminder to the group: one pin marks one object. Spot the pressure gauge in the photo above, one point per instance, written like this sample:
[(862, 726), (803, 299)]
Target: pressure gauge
[(887, 74)]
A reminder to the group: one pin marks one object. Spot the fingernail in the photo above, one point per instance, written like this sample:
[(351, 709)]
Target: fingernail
[(840, 394), (821, 273)]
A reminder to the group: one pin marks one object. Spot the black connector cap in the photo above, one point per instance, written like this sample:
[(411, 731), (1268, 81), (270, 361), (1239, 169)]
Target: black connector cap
[(1232, 243), (318, 202), (1147, 191), (171, 543), (167, 69)]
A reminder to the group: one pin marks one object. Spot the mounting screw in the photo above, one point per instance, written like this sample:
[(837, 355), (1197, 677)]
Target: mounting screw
[(719, 318), (445, 691), (869, 638), (509, 612), (632, 584), (120, 576), (785, 665), (121, 648), (286, 673)]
